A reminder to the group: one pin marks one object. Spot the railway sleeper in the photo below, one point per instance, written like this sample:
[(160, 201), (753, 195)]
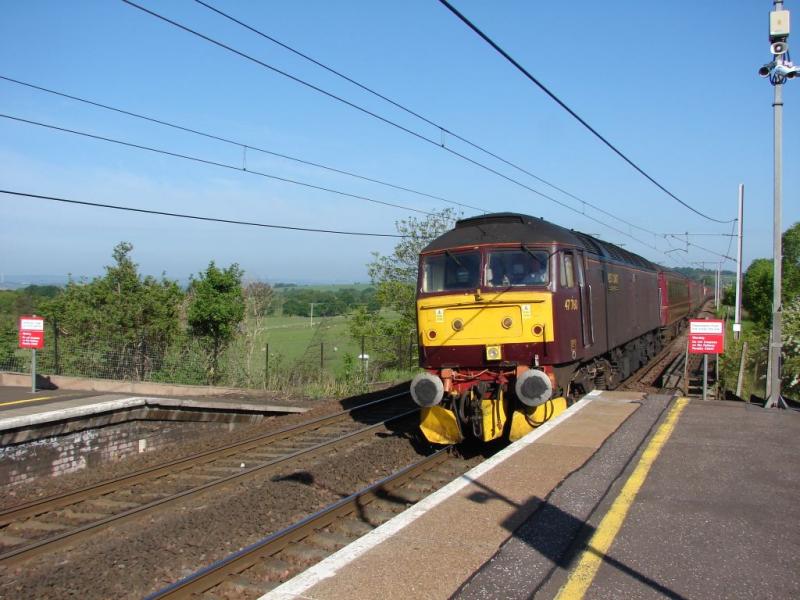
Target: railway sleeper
[(301, 553), (354, 527), (35, 527), (79, 517), (329, 540), (271, 569), (114, 505), (236, 585), (9, 541)]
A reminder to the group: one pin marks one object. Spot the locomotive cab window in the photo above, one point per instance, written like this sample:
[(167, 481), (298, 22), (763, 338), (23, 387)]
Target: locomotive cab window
[(506, 268), (567, 270), (451, 271)]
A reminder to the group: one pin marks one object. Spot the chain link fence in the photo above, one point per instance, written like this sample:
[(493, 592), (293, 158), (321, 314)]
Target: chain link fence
[(329, 363)]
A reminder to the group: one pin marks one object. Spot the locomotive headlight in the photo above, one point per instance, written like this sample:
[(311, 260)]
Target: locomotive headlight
[(493, 353), (427, 390), (533, 387), (537, 330), (507, 323), (457, 324), (432, 334)]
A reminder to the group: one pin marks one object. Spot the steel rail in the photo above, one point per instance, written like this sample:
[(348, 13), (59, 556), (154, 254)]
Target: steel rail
[(216, 573), (27, 551), (37, 507)]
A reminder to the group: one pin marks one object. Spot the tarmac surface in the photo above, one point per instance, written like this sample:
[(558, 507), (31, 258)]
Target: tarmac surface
[(12, 398)]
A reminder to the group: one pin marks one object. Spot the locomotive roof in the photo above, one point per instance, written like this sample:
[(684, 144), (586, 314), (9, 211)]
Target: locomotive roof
[(505, 228)]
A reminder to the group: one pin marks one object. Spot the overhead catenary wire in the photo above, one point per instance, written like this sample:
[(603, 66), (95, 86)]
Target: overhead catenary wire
[(384, 119), (196, 217), (698, 246), (238, 144), (262, 174), (443, 128), (575, 115), (211, 163)]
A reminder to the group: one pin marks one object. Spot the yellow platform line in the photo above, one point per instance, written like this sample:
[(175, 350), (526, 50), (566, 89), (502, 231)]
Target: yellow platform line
[(584, 573), (26, 400)]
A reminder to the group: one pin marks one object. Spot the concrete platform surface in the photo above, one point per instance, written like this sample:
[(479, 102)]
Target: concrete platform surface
[(716, 516), (430, 550)]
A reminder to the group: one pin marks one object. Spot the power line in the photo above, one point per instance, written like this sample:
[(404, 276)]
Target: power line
[(196, 217), (688, 243), (219, 138), (558, 101), (267, 175), (381, 118), (211, 162), (442, 128)]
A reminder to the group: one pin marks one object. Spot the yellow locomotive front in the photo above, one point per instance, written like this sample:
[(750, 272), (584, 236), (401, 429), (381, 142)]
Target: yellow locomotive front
[(486, 326)]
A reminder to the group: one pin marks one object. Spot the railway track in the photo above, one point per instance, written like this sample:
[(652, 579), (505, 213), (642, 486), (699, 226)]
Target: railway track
[(45, 525), (264, 565)]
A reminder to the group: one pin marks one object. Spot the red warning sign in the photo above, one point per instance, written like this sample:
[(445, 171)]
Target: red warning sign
[(31, 332), (706, 336)]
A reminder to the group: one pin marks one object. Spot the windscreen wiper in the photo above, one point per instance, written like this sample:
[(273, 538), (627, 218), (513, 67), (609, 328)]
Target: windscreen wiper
[(452, 257)]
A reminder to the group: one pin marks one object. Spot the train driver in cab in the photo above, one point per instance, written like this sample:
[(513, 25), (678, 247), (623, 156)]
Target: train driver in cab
[(527, 269)]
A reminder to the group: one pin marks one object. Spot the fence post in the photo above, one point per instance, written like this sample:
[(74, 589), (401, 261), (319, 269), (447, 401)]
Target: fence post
[(266, 366), (364, 360), (321, 357), (56, 362), (740, 379), (410, 349)]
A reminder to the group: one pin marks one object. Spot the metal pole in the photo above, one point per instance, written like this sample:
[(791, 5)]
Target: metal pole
[(321, 357), (686, 371), (312, 315), (737, 319), (774, 398), (33, 370), (705, 376)]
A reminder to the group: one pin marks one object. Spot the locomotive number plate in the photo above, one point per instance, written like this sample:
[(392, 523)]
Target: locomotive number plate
[(570, 304)]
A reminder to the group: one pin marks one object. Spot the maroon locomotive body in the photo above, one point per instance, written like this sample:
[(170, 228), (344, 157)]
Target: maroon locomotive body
[(514, 309)]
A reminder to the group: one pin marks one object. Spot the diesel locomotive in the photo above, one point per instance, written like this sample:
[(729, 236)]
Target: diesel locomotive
[(516, 315)]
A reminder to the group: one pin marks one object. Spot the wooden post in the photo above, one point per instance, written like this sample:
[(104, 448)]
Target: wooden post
[(740, 378)]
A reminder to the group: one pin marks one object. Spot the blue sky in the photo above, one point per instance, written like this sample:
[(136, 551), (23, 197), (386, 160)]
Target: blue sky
[(673, 84)]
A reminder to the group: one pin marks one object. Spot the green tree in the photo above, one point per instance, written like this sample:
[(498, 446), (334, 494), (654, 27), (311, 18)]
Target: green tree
[(757, 283), (757, 291), (389, 329), (790, 285), (791, 349), (216, 308), (127, 321)]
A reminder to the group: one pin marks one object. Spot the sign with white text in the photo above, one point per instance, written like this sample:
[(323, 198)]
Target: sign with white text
[(31, 332), (706, 336)]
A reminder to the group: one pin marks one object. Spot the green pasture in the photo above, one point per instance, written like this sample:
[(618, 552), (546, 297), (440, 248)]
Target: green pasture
[(293, 341)]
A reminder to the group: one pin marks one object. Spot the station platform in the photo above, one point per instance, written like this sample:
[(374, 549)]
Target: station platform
[(26, 416), (20, 402), (622, 496)]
